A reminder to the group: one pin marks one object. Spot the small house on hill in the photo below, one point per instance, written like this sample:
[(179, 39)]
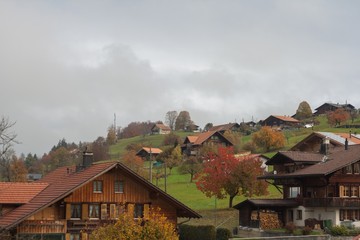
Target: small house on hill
[(192, 144), (234, 127), (329, 107), (160, 128), (280, 121), (147, 152), (72, 201)]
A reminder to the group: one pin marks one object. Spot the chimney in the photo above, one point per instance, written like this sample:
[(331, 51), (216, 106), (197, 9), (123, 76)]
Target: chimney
[(88, 158), (346, 144), (324, 149)]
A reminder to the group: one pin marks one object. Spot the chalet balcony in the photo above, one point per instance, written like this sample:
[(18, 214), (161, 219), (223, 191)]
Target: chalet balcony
[(86, 225), (330, 202), (42, 226)]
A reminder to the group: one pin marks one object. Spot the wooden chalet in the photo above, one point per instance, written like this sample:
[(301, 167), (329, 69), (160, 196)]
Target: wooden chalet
[(234, 127), (192, 144), (160, 128), (148, 152), (330, 107), (70, 202), (280, 121), (319, 189)]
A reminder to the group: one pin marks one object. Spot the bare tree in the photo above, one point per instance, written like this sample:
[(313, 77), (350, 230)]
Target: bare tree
[(7, 139), (170, 119)]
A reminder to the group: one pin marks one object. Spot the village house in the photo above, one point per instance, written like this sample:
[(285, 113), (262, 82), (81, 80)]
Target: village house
[(330, 107), (160, 128), (319, 189), (234, 127), (70, 202), (148, 152), (280, 122), (193, 144)]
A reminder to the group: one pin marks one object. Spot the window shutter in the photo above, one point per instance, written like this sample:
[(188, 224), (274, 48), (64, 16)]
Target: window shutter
[(113, 211), (130, 209), (67, 236), (85, 212), (104, 214), (146, 211), (68, 211), (341, 189)]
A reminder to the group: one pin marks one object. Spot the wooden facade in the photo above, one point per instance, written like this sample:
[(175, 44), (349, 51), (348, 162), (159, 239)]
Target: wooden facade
[(97, 201), (326, 190)]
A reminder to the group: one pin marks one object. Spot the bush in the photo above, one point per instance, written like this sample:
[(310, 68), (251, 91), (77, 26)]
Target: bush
[(339, 230), (188, 232), (223, 234), (306, 230), (290, 227)]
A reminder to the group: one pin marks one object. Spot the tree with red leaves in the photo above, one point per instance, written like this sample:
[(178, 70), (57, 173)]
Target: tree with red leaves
[(224, 175), (337, 117)]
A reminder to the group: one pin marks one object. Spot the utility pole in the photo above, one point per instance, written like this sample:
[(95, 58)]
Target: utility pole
[(165, 174), (150, 174)]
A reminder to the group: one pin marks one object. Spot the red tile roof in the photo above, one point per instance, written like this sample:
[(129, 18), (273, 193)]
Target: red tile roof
[(19, 192), (153, 150), (65, 180)]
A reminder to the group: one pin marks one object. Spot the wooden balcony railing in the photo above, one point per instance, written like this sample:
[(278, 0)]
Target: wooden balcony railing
[(330, 202), (42, 226)]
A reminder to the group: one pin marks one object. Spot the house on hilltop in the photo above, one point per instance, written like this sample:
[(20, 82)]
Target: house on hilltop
[(70, 202), (330, 107), (277, 121), (160, 128), (318, 189), (193, 144)]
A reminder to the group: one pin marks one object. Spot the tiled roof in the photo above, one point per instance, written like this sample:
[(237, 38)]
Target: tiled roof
[(153, 150), (286, 118), (296, 156), (19, 192), (192, 139), (65, 180), (162, 126)]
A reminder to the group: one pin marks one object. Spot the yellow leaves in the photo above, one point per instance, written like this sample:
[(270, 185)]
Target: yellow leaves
[(156, 227)]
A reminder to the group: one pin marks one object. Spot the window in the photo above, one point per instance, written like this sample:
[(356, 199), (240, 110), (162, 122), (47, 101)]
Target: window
[(299, 215), (75, 211), (354, 191), (74, 236), (348, 169), (356, 168), (97, 186), (119, 186), (139, 211), (294, 192), (346, 191), (349, 214), (94, 211)]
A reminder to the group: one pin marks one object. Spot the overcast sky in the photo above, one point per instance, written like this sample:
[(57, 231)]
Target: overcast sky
[(67, 66)]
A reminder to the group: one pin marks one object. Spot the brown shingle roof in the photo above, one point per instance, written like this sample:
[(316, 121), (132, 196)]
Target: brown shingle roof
[(162, 126), (268, 203), (286, 118), (296, 156), (223, 127), (19, 192), (65, 180)]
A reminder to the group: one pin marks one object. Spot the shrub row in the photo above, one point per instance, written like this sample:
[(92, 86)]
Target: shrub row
[(190, 232)]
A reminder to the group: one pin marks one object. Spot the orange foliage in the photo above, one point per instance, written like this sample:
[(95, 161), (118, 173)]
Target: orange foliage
[(268, 139)]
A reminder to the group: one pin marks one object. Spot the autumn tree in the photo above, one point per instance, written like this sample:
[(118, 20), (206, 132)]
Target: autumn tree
[(155, 226), (235, 139), (134, 162), (18, 171), (111, 135), (171, 139), (183, 121), (338, 116), (268, 139), (304, 111), (191, 165), (354, 114), (170, 119), (171, 156), (134, 129), (225, 175), (208, 126)]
